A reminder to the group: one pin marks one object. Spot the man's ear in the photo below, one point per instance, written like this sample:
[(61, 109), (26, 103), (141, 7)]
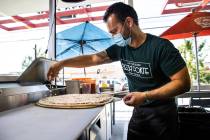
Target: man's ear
[(130, 22)]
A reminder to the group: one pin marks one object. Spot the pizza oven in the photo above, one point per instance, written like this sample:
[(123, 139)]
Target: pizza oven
[(29, 87)]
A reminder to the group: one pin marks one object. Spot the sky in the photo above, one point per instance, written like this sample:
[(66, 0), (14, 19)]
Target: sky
[(16, 45)]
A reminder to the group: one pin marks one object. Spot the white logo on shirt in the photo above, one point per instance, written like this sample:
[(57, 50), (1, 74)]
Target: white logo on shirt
[(137, 69)]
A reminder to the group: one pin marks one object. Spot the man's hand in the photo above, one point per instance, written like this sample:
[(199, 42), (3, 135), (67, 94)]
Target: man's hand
[(54, 70), (134, 98)]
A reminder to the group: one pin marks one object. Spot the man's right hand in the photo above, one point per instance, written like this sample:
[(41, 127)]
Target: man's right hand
[(54, 70)]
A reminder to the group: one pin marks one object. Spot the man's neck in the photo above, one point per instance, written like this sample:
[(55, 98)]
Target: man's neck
[(138, 37)]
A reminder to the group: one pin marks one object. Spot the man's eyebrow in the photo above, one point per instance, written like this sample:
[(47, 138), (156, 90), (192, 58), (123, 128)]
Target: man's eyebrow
[(112, 30)]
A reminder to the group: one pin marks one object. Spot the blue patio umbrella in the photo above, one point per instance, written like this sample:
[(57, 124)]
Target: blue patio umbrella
[(82, 39)]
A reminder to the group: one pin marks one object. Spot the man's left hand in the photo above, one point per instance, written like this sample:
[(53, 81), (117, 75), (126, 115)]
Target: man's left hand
[(134, 98)]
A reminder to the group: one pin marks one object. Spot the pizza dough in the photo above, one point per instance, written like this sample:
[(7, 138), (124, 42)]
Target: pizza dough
[(75, 101)]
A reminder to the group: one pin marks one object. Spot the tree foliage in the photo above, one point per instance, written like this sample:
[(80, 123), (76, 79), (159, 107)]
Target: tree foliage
[(187, 51), (29, 59)]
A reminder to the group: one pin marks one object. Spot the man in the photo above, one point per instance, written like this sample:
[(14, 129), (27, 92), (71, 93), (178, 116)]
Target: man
[(154, 68)]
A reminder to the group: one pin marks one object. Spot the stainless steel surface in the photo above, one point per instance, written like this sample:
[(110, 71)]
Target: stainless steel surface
[(4, 78), (9, 85), (35, 123), (72, 86), (119, 94), (36, 72), (100, 128), (11, 97), (28, 88), (25, 96), (14, 101), (22, 89), (195, 94)]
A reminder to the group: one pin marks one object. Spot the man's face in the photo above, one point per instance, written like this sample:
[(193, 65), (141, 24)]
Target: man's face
[(115, 26)]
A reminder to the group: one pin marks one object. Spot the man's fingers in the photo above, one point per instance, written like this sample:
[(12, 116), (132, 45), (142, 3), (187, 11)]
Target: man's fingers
[(129, 99), (53, 76), (49, 73), (130, 102), (52, 72)]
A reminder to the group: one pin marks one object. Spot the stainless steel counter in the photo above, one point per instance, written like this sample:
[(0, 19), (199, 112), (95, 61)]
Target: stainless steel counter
[(31, 122), (195, 94)]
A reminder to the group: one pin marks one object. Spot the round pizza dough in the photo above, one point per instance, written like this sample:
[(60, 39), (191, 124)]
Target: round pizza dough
[(75, 101)]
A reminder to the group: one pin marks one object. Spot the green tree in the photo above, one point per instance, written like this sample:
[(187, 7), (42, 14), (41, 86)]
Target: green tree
[(187, 51), (29, 59), (26, 62)]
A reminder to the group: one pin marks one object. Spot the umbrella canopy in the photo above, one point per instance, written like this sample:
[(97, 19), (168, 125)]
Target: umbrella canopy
[(193, 25), (85, 38), (197, 22)]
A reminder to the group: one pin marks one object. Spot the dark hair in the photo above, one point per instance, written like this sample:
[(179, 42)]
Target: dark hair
[(121, 11)]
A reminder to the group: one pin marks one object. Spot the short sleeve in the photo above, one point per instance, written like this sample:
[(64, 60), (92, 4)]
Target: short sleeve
[(114, 52), (170, 60)]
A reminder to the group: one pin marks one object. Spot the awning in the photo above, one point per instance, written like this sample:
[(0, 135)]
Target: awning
[(27, 14), (181, 6), (11, 7)]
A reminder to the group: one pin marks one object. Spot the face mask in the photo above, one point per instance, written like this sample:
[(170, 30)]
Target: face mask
[(120, 40)]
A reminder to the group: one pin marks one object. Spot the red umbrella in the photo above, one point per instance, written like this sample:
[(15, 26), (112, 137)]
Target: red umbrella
[(197, 22), (193, 25)]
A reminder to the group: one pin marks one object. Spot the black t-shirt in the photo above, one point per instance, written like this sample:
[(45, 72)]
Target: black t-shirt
[(150, 65)]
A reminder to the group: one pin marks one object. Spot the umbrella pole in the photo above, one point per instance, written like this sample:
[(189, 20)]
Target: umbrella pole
[(85, 72), (197, 62), (83, 54), (82, 43)]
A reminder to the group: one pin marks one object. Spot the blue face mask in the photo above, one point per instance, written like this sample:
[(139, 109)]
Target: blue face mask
[(120, 41)]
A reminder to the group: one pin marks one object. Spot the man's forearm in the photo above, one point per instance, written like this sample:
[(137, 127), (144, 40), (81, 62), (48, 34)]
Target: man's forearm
[(171, 89), (86, 60), (78, 62)]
